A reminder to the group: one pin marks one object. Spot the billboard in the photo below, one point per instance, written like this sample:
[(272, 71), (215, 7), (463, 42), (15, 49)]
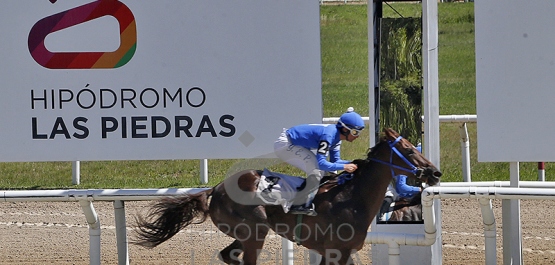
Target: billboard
[(515, 74), (165, 79)]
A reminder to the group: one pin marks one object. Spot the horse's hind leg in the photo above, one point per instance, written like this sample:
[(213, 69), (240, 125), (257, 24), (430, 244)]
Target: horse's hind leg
[(253, 245), (251, 242), (230, 254)]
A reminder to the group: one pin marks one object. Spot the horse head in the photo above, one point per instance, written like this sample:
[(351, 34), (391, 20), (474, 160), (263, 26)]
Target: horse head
[(404, 158)]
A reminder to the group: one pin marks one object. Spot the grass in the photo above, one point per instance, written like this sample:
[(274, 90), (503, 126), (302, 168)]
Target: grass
[(344, 41)]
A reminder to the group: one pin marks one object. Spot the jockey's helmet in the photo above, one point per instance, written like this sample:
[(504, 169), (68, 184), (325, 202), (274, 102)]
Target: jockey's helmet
[(351, 120)]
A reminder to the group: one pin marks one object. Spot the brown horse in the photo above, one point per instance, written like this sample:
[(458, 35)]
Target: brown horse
[(345, 210)]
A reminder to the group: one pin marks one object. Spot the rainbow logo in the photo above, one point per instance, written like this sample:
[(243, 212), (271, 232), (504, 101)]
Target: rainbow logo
[(85, 60)]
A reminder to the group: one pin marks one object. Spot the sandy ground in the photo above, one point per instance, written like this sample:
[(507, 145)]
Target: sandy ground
[(57, 233)]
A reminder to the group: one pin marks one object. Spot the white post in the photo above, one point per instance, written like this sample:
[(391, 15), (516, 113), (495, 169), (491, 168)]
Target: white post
[(287, 256), (431, 105), (465, 151), (204, 171), (512, 231), (541, 171), (490, 234), (76, 172), (94, 231), (394, 253), (121, 233)]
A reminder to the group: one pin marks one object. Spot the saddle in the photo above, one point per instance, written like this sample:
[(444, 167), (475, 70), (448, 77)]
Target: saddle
[(280, 189)]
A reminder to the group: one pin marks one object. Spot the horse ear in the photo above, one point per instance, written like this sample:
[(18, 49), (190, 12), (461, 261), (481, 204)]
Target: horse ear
[(390, 133), (383, 136)]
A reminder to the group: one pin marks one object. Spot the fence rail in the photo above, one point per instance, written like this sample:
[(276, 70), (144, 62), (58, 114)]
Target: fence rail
[(485, 191), (343, 1), (85, 199)]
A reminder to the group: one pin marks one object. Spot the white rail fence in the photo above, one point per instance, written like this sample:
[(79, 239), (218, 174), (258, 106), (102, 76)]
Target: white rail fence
[(85, 199), (484, 194), (366, 1), (343, 1), (483, 191)]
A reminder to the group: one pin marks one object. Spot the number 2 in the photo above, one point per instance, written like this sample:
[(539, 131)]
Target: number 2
[(323, 147)]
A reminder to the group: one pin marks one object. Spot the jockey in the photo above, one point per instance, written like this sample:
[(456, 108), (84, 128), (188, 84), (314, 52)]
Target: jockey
[(294, 147), (404, 190), (398, 189)]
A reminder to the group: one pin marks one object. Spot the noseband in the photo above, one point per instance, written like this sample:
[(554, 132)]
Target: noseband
[(412, 168)]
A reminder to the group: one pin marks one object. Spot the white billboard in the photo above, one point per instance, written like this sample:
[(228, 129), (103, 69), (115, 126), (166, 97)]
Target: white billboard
[(164, 79), (515, 80)]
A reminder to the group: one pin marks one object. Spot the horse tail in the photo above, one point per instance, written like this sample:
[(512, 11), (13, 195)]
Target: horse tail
[(169, 215)]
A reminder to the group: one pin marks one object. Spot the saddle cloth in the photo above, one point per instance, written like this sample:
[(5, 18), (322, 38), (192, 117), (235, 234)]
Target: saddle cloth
[(279, 189)]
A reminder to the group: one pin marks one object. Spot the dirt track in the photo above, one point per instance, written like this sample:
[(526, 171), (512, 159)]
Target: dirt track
[(57, 233)]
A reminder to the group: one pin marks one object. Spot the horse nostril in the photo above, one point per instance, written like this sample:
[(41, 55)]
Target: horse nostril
[(438, 174)]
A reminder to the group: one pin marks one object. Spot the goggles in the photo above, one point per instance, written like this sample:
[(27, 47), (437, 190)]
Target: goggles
[(354, 131)]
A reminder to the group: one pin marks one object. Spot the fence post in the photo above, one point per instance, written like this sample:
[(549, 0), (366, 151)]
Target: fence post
[(465, 151), (76, 172), (204, 171), (541, 171)]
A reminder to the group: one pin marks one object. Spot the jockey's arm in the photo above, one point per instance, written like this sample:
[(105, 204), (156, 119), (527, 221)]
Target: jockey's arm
[(403, 189)]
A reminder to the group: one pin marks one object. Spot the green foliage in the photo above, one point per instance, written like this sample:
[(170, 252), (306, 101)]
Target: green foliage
[(400, 76), (397, 109), (400, 54), (344, 40)]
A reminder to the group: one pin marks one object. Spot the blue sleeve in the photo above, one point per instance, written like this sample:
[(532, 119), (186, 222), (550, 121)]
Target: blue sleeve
[(403, 189), (335, 155), (324, 164)]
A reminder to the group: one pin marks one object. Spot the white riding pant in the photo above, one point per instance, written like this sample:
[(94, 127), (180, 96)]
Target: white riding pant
[(301, 158), (297, 156)]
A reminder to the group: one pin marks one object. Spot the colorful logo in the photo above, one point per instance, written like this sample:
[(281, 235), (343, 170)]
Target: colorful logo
[(78, 15)]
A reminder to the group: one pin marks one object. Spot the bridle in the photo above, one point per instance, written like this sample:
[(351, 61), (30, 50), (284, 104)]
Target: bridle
[(412, 168)]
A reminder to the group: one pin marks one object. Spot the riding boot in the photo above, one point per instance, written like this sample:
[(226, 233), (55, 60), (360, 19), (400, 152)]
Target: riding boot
[(309, 192), (303, 209), (386, 205)]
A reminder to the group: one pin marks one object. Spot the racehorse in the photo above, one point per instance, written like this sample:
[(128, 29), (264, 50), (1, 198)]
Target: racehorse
[(345, 210), (407, 210)]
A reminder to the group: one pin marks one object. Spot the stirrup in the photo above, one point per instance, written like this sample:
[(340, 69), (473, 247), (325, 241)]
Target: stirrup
[(301, 209)]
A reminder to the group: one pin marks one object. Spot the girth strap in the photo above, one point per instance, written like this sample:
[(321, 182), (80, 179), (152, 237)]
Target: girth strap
[(298, 228)]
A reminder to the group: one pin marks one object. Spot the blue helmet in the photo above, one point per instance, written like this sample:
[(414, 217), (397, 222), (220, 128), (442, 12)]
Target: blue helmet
[(419, 148), (351, 119)]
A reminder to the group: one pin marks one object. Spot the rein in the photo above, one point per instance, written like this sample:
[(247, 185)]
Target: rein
[(412, 168)]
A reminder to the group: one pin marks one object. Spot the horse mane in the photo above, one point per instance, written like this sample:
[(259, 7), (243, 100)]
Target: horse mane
[(373, 152)]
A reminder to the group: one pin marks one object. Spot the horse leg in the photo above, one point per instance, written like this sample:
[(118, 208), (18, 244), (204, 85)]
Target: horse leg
[(253, 241), (243, 222), (249, 238), (416, 212), (230, 254)]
